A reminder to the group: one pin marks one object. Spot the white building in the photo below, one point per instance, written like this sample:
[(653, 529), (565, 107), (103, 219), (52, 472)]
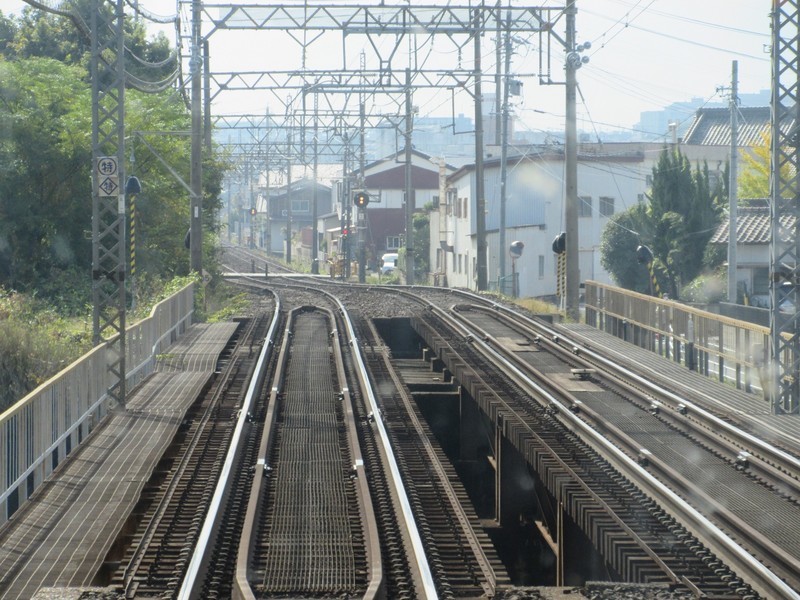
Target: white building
[(611, 179)]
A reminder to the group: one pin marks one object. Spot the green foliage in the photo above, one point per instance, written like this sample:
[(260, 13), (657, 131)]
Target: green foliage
[(234, 305), (680, 219), (45, 153), (618, 244), (45, 191), (754, 176), (40, 34), (35, 343), (706, 289), (422, 245)]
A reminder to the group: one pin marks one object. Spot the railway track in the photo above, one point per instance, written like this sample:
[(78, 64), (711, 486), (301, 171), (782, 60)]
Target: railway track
[(158, 549), (713, 467), (310, 527), (633, 522), (428, 568), (243, 260)]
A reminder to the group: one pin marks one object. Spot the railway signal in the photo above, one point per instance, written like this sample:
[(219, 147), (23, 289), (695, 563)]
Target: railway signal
[(361, 199)]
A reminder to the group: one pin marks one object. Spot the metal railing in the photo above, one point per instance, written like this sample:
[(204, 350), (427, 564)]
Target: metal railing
[(42, 428), (730, 350)]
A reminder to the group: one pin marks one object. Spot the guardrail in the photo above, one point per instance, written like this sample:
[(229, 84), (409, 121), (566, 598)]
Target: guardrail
[(716, 346), (46, 425)]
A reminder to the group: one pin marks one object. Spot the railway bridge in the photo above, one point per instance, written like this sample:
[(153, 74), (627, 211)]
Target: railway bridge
[(342, 440)]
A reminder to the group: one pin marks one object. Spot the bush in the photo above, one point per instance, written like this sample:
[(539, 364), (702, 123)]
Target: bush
[(36, 342), (705, 289)]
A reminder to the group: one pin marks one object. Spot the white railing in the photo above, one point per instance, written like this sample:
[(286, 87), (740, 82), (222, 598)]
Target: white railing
[(47, 424)]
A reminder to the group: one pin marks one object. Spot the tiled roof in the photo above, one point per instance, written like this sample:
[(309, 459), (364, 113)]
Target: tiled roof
[(712, 126), (753, 225)]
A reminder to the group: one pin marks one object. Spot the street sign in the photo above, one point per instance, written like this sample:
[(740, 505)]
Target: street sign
[(107, 173)]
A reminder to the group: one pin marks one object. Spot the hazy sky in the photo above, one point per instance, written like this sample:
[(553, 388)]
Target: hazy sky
[(644, 55)]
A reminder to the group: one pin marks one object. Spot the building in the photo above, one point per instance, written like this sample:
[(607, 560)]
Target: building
[(383, 228), (753, 235), (611, 179), (287, 212)]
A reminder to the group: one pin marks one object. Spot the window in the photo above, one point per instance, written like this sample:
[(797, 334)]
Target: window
[(640, 198), (606, 206), (584, 206), (648, 181), (464, 212), (301, 206), (761, 281), (392, 242), (541, 266), (452, 195), (435, 201), (459, 263)]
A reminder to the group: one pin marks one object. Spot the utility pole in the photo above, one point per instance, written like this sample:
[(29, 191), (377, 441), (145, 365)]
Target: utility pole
[(504, 154), (362, 211), (571, 168), (409, 125), (267, 201), (315, 195), (733, 192), (196, 216), (289, 199), (498, 77), (480, 199), (206, 99)]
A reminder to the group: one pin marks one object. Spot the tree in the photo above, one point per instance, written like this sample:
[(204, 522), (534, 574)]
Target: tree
[(681, 217), (45, 190), (45, 155), (37, 33), (422, 243), (618, 243)]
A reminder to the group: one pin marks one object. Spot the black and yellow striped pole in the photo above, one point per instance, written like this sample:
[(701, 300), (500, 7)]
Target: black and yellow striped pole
[(645, 256), (132, 188), (654, 281), (560, 247)]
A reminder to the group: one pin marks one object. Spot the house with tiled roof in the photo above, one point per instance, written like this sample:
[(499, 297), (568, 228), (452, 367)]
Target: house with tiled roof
[(712, 127), (753, 235)]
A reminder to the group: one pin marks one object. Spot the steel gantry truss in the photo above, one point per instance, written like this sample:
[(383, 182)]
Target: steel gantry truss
[(109, 248), (784, 376), (385, 29)]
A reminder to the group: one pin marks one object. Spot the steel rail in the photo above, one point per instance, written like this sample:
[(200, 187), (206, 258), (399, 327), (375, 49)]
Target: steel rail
[(132, 568), (375, 587), (190, 581), (757, 541), (759, 448), (417, 547), (428, 586), (773, 464)]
